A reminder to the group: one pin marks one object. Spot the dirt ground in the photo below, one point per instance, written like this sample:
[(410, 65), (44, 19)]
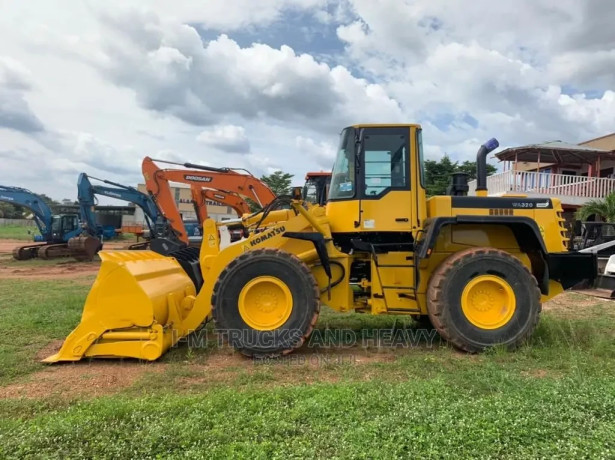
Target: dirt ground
[(102, 377), (61, 270), (65, 268), (6, 246)]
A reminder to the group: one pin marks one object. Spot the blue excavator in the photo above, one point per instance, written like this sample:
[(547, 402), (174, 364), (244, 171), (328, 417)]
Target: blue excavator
[(55, 230), (90, 238)]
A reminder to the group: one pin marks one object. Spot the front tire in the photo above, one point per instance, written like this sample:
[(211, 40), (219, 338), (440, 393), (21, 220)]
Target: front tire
[(481, 297), (266, 303)]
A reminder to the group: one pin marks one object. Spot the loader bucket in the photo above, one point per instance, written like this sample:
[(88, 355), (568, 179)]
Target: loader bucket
[(135, 308), (84, 248)]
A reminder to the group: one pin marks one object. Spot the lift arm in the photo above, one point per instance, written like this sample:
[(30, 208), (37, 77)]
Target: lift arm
[(224, 180), (23, 197)]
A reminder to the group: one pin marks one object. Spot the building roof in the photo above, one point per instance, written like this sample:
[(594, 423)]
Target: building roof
[(597, 139), (555, 152)]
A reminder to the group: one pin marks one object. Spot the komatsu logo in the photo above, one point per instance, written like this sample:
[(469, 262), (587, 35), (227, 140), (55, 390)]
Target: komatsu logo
[(543, 205), (198, 178), (7, 198), (112, 194), (265, 236)]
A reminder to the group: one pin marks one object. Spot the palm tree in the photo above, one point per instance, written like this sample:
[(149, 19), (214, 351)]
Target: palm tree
[(603, 208)]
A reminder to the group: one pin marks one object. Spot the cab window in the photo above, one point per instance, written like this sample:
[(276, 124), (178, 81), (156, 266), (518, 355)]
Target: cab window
[(386, 161), (70, 223)]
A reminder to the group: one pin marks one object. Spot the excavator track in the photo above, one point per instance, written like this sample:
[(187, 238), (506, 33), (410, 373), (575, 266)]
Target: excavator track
[(27, 252), (139, 246), (53, 251)]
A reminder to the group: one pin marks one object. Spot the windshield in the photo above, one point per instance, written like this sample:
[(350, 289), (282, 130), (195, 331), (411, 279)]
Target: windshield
[(56, 224), (343, 177), (310, 192)]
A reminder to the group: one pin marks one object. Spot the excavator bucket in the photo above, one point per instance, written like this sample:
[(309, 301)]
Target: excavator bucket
[(84, 247), (135, 309)]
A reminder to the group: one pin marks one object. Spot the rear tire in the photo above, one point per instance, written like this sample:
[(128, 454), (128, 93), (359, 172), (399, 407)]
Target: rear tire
[(266, 303), (483, 297)]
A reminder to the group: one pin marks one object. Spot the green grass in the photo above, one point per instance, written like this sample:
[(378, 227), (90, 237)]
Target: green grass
[(32, 314), (126, 237), (17, 232), (553, 397), (517, 418)]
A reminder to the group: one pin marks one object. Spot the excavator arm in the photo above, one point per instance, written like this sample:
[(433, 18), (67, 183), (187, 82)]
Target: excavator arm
[(90, 241), (236, 202), (22, 197), (224, 180), (87, 192)]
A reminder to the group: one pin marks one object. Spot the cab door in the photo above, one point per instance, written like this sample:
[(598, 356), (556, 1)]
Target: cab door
[(384, 184)]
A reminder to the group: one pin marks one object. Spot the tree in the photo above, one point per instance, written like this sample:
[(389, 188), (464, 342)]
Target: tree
[(469, 167), (50, 201), (438, 173), (603, 208), (10, 211), (279, 182)]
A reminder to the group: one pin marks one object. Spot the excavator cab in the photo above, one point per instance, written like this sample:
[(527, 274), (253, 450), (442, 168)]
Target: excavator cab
[(64, 227), (316, 187)]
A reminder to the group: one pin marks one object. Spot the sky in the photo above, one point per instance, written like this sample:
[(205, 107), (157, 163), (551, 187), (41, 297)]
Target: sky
[(265, 85)]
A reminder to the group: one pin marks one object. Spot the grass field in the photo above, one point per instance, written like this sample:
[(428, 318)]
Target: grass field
[(17, 232), (553, 397)]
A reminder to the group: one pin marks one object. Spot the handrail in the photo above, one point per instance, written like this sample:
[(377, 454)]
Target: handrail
[(547, 184)]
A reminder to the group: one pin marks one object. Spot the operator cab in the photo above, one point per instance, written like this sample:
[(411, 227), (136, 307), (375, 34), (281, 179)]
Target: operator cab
[(62, 225), (316, 188), (376, 184)]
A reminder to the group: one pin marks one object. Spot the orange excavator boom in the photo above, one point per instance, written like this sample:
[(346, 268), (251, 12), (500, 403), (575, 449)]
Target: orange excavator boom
[(201, 180)]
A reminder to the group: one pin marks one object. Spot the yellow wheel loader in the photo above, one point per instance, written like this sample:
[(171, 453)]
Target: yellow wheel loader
[(476, 267)]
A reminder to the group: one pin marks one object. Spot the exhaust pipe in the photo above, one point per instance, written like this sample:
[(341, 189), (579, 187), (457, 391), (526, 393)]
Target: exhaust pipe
[(481, 165)]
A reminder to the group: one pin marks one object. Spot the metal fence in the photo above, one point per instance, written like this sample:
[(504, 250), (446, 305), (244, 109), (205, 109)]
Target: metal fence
[(19, 222)]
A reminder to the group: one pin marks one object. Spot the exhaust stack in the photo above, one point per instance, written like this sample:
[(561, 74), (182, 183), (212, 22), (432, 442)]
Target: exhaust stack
[(481, 165)]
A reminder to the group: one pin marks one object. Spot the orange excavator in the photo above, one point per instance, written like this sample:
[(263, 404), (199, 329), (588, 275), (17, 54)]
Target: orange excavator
[(223, 185), (316, 187), (236, 202)]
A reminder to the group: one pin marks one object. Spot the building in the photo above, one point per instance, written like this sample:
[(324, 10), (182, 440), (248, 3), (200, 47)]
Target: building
[(183, 199), (604, 143), (106, 215), (574, 173)]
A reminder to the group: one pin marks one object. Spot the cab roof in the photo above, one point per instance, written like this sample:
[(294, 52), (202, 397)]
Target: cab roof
[(387, 125)]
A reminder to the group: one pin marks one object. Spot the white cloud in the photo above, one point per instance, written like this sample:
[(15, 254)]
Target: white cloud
[(229, 138), (15, 112), (172, 72), (95, 90), (322, 153), (14, 75)]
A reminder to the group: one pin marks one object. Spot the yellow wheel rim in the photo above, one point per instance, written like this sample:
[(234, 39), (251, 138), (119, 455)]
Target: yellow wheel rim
[(488, 302), (265, 303)]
